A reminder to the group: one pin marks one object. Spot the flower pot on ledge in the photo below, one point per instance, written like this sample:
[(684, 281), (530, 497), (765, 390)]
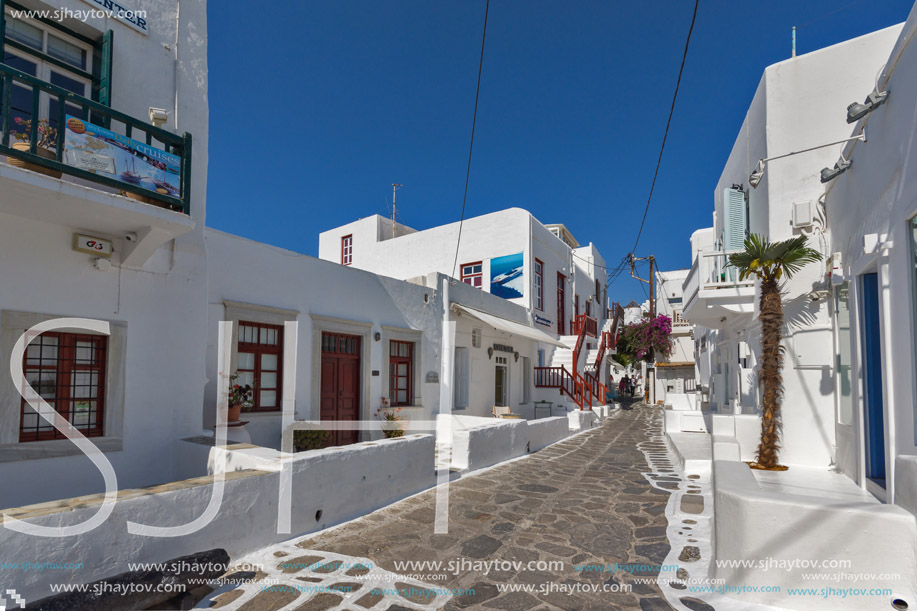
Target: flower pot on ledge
[(235, 411), (41, 152)]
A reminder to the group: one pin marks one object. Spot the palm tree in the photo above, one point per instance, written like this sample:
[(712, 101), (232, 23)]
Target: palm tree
[(769, 262)]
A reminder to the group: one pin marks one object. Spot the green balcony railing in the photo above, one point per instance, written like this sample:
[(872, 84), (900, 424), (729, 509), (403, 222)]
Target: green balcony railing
[(99, 114)]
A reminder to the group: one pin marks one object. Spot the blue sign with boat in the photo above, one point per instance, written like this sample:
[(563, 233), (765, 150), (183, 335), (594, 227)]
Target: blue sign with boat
[(506, 276), (130, 161)]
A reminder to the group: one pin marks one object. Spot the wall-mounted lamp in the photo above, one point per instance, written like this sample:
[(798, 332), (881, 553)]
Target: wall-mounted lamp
[(857, 111), (516, 356), (490, 353), (755, 177), (839, 168), (377, 336)]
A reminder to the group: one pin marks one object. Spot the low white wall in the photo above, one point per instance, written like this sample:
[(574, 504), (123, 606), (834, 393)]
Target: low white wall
[(754, 524), (905, 478), (582, 419), (330, 486), (481, 444), (544, 432)]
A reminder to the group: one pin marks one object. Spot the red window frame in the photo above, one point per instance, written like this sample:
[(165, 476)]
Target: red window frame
[(64, 360), (539, 284), (268, 340), (473, 273), (347, 250), (400, 353)]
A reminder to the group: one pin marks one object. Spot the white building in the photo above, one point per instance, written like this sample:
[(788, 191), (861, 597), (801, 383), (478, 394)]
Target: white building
[(873, 245), (138, 390), (675, 374), (511, 255), (848, 375), (794, 108)]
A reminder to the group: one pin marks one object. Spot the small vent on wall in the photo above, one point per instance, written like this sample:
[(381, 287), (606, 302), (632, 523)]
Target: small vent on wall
[(476, 338)]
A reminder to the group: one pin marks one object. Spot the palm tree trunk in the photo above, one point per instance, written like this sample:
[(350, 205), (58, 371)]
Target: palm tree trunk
[(769, 375)]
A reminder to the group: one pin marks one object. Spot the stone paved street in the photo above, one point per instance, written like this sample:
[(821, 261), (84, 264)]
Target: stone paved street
[(584, 501)]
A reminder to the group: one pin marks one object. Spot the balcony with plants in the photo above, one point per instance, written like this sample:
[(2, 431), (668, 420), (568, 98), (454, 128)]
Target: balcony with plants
[(68, 157)]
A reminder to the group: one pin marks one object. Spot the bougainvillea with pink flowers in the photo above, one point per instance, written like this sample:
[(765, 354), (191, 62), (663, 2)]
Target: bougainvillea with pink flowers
[(647, 338)]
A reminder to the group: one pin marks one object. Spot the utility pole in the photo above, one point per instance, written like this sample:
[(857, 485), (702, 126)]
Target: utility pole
[(395, 187), (650, 378)]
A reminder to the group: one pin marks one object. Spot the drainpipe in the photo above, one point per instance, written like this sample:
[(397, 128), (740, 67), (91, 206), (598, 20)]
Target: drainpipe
[(444, 419)]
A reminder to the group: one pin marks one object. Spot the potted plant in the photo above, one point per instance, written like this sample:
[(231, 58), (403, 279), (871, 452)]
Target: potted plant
[(390, 417), (45, 147), (239, 397)]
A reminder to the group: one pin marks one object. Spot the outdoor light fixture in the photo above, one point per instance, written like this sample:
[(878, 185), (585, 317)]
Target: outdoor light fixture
[(757, 175), (377, 336), (755, 178), (857, 111), (839, 168)]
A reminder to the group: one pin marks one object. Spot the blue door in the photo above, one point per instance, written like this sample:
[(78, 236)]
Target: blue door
[(872, 381)]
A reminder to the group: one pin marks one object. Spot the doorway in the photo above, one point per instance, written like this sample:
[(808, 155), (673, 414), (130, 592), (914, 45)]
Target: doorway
[(873, 402), (561, 300), (501, 382), (340, 383)]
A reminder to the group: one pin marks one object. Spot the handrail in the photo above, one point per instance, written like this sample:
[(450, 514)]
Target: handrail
[(560, 377), (175, 144)]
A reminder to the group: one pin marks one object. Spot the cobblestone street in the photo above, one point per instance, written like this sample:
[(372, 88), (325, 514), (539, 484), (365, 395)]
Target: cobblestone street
[(583, 501)]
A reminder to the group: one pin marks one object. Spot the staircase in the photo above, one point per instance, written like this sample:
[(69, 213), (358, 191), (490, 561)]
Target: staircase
[(566, 372)]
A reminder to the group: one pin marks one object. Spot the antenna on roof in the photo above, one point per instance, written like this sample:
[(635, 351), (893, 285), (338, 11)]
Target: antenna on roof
[(395, 187), (794, 42)]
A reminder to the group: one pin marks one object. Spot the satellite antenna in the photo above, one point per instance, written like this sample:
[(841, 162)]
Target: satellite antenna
[(395, 187)]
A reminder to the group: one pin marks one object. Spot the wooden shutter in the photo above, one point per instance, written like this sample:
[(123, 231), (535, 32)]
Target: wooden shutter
[(105, 69), (734, 219)]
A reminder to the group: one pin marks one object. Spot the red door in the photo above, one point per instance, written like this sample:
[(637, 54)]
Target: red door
[(561, 299), (340, 390)]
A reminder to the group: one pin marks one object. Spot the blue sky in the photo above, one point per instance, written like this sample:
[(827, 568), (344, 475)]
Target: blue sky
[(316, 107)]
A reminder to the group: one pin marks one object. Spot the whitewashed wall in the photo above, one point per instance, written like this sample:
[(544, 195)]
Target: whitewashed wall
[(877, 196), (163, 305)]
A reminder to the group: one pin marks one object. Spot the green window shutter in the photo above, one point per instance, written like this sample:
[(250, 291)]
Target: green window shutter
[(734, 219), (105, 69)]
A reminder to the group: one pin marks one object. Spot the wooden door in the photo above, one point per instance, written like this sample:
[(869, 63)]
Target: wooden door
[(561, 299), (340, 383)]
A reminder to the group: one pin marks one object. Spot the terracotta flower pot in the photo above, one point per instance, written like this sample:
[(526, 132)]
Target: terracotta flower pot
[(235, 411), (42, 152)]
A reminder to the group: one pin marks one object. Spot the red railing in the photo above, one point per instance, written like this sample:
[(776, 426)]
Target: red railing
[(558, 377), (583, 323), (596, 387)]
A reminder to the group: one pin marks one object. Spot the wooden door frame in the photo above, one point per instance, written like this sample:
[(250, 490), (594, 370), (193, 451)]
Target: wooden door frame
[(327, 324), (561, 303)]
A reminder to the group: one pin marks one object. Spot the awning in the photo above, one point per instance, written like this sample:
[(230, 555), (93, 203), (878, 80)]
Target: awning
[(676, 364), (508, 326)]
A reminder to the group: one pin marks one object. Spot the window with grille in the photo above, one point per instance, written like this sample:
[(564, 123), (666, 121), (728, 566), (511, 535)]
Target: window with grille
[(68, 371), (260, 363), (401, 367), (539, 285), (476, 337), (473, 273), (347, 250)]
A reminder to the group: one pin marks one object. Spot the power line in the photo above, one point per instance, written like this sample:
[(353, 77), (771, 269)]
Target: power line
[(667, 124), (474, 121)]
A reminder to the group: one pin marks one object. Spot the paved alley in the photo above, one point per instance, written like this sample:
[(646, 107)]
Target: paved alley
[(556, 520)]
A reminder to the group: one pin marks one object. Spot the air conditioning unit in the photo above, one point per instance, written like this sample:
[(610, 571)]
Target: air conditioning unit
[(803, 214)]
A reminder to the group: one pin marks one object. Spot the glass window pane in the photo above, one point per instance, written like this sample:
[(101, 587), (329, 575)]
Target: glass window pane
[(246, 360), (268, 398), (84, 352), (81, 412), (19, 63), (245, 377), (269, 362), (268, 380), (25, 33), (67, 52), (44, 383), (402, 396)]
